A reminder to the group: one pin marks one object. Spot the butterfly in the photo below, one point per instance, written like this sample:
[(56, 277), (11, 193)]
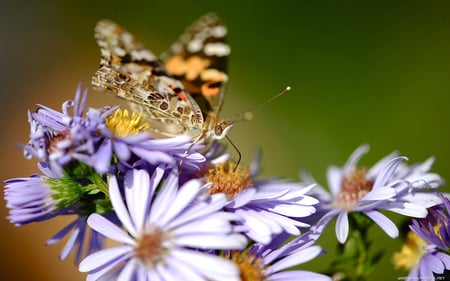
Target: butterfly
[(180, 92)]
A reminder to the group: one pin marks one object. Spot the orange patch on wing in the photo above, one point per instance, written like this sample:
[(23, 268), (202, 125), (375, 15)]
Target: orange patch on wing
[(191, 68), (212, 76), (208, 91), (182, 96)]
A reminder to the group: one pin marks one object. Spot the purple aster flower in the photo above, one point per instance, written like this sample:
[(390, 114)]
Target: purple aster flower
[(270, 262), (166, 226), (388, 185), (39, 198), (30, 199), (428, 246), (267, 207), (60, 137), (126, 137), (100, 136)]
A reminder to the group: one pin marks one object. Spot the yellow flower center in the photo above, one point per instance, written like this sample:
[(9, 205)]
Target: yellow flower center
[(250, 266), (228, 179), (122, 124), (354, 186), (411, 252)]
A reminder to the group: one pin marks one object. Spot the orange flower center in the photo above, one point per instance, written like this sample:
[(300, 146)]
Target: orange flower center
[(354, 186)]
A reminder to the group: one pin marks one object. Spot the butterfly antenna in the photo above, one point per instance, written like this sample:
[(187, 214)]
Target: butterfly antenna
[(246, 115), (238, 152)]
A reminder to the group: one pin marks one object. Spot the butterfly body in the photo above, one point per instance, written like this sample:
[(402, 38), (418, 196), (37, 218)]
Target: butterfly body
[(179, 93)]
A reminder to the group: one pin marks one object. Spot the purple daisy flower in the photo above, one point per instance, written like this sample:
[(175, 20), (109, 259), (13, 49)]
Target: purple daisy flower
[(267, 207), (125, 136), (36, 199), (30, 199), (60, 137), (99, 136), (434, 231), (166, 227), (270, 261), (388, 185)]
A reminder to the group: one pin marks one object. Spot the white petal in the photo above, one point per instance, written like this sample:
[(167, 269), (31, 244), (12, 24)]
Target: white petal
[(211, 241), (334, 178), (342, 227), (324, 220), (128, 271), (382, 193), (137, 190), (297, 258), (385, 224), (186, 194), (175, 270), (354, 158), (109, 229), (295, 274), (212, 267), (119, 206), (386, 173), (164, 199), (202, 209), (376, 168), (407, 209), (215, 223), (104, 257)]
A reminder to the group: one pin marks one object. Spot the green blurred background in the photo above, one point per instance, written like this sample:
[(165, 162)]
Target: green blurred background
[(374, 72)]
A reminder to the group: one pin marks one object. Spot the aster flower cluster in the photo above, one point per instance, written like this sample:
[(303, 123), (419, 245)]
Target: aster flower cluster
[(427, 251), (199, 220), (210, 218)]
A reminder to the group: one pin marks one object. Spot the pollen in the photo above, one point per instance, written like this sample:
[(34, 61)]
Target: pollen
[(411, 252), (123, 124), (355, 186), (54, 142), (149, 248), (229, 179), (437, 232), (250, 266)]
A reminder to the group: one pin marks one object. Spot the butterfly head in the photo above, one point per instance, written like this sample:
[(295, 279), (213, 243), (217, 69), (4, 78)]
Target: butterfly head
[(222, 128)]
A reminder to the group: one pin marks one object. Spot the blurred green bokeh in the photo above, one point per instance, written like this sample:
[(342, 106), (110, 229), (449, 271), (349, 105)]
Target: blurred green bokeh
[(374, 72)]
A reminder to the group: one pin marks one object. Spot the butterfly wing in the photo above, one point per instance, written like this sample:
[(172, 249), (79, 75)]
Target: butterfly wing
[(199, 60), (130, 71)]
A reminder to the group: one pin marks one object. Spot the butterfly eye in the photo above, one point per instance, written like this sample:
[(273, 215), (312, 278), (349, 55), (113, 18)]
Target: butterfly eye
[(218, 130), (221, 129)]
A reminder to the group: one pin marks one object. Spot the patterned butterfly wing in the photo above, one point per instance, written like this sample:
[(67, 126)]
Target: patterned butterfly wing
[(130, 71), (199, 60)]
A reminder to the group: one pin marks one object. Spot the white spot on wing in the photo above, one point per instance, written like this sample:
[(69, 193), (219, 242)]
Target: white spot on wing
[(127, 38), (195, 45), (217, 49), (119, 51), (142, 55), (219, 31)]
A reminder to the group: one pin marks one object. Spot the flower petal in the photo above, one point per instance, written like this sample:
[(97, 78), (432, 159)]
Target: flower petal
[(119, 206), (110, 230), (386, 224), (297, 258), (342, 227), (105, 258), (387, 172)]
